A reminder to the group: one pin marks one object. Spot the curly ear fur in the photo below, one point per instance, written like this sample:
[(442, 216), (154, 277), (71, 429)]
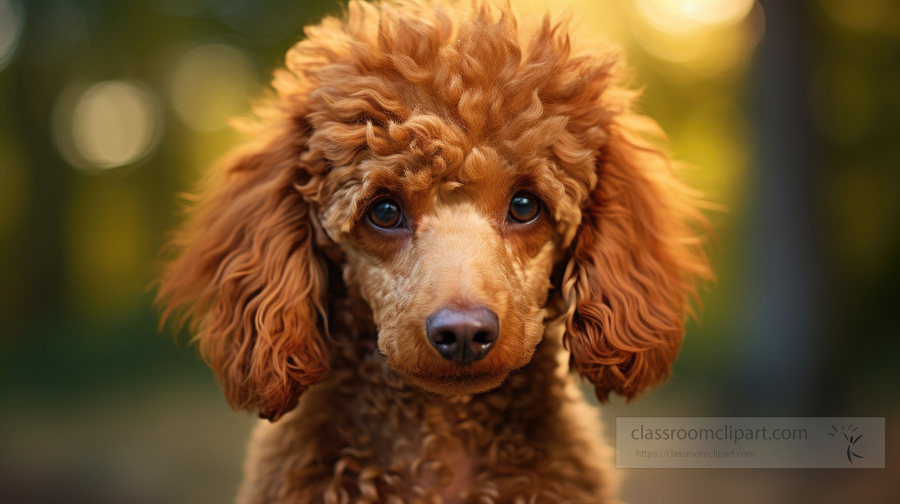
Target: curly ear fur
[(632, 267), (247, 274)]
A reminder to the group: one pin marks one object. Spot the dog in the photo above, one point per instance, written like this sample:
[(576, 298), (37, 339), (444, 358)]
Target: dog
[(441, 218)]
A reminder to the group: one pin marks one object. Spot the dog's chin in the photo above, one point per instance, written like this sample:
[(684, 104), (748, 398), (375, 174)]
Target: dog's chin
[(456, 384)]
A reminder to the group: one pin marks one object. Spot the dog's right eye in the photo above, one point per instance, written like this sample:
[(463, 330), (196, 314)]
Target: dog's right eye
[(524, 207), (385, 213)]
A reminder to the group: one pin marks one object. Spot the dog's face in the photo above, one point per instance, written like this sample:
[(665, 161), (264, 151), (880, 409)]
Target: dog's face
[(467, 170), (457, 271)]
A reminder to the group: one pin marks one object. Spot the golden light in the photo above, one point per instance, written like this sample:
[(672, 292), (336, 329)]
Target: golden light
[(597, 21), (111, 124), (209, 85), (679, 16), (710, 37)]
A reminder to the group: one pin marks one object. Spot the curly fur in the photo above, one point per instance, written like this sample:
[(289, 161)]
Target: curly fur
[(450, 109)]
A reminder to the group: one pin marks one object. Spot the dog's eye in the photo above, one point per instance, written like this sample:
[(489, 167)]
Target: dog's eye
[(524, 207), (385, 213)]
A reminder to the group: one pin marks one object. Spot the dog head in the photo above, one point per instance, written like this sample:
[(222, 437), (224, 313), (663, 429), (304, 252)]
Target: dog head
[(465, 170)]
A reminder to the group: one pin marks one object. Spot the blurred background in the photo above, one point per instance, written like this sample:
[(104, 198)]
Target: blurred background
[(785, 112)]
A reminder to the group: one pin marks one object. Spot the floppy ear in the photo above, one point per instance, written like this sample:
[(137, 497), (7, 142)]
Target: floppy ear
[(632, 267), (248, 276)]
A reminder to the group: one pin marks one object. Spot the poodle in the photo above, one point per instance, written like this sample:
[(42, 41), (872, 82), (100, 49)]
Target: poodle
[(442, 218)]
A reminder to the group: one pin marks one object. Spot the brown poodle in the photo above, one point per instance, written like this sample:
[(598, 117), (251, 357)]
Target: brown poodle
[(439, 209)]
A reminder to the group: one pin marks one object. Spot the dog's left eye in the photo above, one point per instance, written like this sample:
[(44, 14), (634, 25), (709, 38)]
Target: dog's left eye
[(524, 207), (385, 213)]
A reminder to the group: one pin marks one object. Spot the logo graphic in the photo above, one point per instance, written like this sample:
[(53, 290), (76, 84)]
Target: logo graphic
[(851, 440)]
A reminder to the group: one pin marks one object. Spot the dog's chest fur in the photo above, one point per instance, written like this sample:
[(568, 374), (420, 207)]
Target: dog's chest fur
[(364, 435)]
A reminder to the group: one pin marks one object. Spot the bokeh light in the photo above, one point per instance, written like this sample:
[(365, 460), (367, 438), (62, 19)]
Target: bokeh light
[(209, 85), (111, 124), (681, 16), (711, 37), (11, 21)]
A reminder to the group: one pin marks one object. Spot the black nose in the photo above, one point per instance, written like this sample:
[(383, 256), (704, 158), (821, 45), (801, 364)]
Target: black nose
[(463, 335)]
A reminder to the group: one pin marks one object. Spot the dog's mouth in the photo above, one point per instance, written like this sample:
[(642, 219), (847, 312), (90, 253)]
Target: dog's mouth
[(460, 383)]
